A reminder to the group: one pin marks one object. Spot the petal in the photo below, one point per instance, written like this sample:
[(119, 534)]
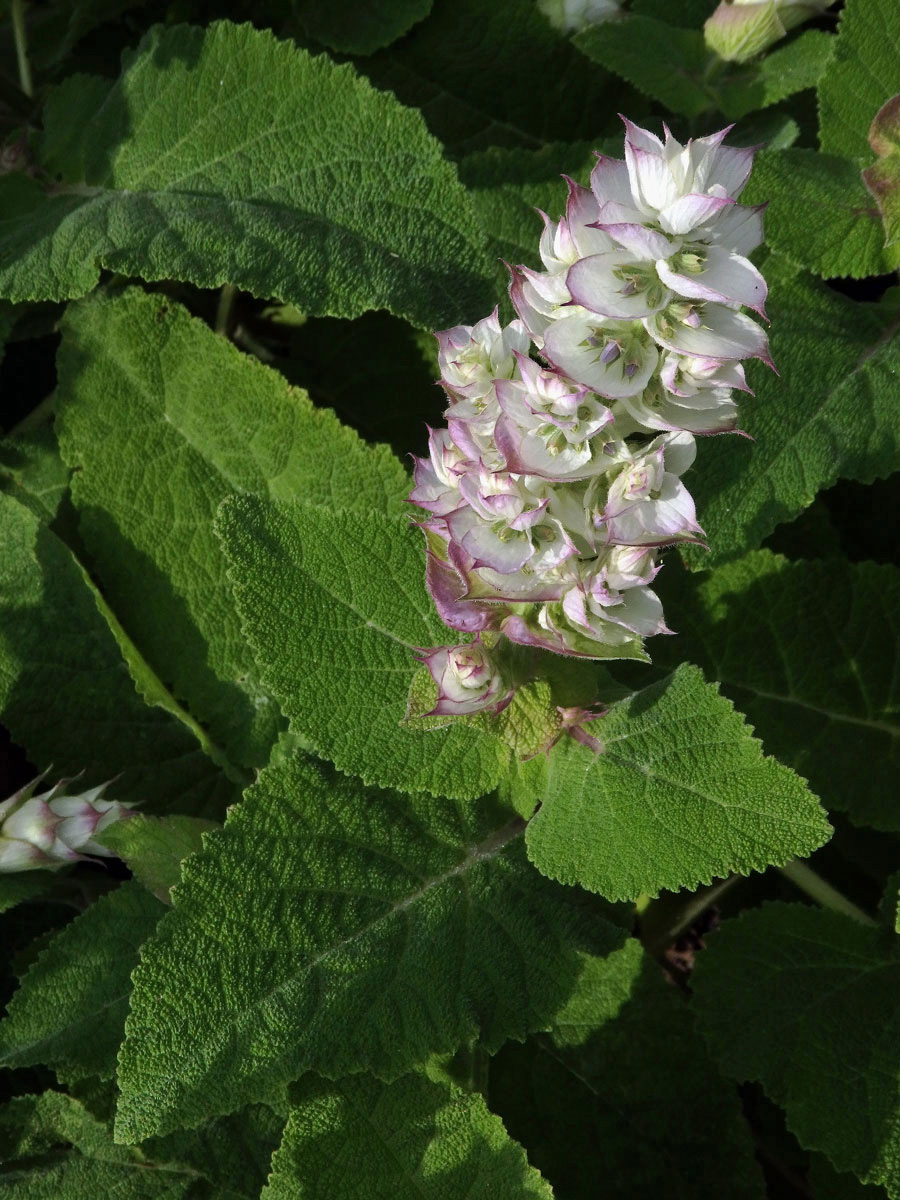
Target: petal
[(594, 285), (575, 345), (690, 211), (610, 182), (447, 590), (722, 334), (643, 244), (725, 277), (739, 228), (652, 184)]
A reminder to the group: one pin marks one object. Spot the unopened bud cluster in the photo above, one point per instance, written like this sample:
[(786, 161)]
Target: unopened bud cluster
[(52, 828), (738, 30), (558, 479)]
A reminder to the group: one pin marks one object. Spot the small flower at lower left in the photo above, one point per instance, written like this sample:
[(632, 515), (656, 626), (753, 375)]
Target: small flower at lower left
[(468, 680), (52, 828)]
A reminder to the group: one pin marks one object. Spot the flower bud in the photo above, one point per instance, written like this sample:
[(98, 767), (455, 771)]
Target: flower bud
[(51, 828), (740, 29), (468, 680), (572, 16)]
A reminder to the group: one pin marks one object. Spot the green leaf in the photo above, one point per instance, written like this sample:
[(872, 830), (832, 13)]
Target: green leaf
[(262, 167), (153, 848), (32, 471), (809, 651), (65, 691), (485, 74), (359, 27), (622, 1088), (69, 1012), (883, 177), (830, 414), (52, 1148), (335, 930), (680, 793), (864, 73), (828, 1184), (663, 61), (781, 73), (820, 215), (16, 889), (829, 987), (410, 1140), (137, 377), (234, 1153), (334, 605)]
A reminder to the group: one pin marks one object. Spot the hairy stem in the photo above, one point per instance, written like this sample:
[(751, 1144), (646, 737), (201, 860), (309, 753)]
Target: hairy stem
[(225, 311), (818, 889), (17, 13)]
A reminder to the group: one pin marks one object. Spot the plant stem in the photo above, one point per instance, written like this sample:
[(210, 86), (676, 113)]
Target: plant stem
[(657, 936), (17, 13), (225, 311), (818, 889)]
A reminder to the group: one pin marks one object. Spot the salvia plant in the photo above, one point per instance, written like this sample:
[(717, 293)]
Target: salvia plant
[(449, 599)]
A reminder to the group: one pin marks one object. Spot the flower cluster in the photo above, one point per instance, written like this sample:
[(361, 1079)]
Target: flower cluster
[(557, 481), (51, 829)]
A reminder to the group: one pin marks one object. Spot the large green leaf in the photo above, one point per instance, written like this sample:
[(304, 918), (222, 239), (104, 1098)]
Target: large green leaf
[(332, 929), (139, 379), (623, 1089), (414, 1139), (153, 848), (32, 471), (65, 690), (783, 71), (58, 1147), (663, 61), (225, 156), (69, 1011), (864, 73), (335, 605), (809, 651), (819, 214), (831, 413), (496, 73), (359, 26), (807, 1003), (679, 793), (53, 1148)]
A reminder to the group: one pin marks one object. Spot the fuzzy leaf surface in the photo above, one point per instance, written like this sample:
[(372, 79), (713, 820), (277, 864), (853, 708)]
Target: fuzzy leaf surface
[(810, 652), (780, 73), (138, 376), (154, 848), (680, 793), (32, 471), (360, 26), (69, 1011), (66, 694), (864, 73), (831, 988), (831, 414), (663, 61), (332, 929), (53, 1148), (471, 86), (623, 1087), (820, 215), (414, 1139), (203, 163), (334, 605)]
